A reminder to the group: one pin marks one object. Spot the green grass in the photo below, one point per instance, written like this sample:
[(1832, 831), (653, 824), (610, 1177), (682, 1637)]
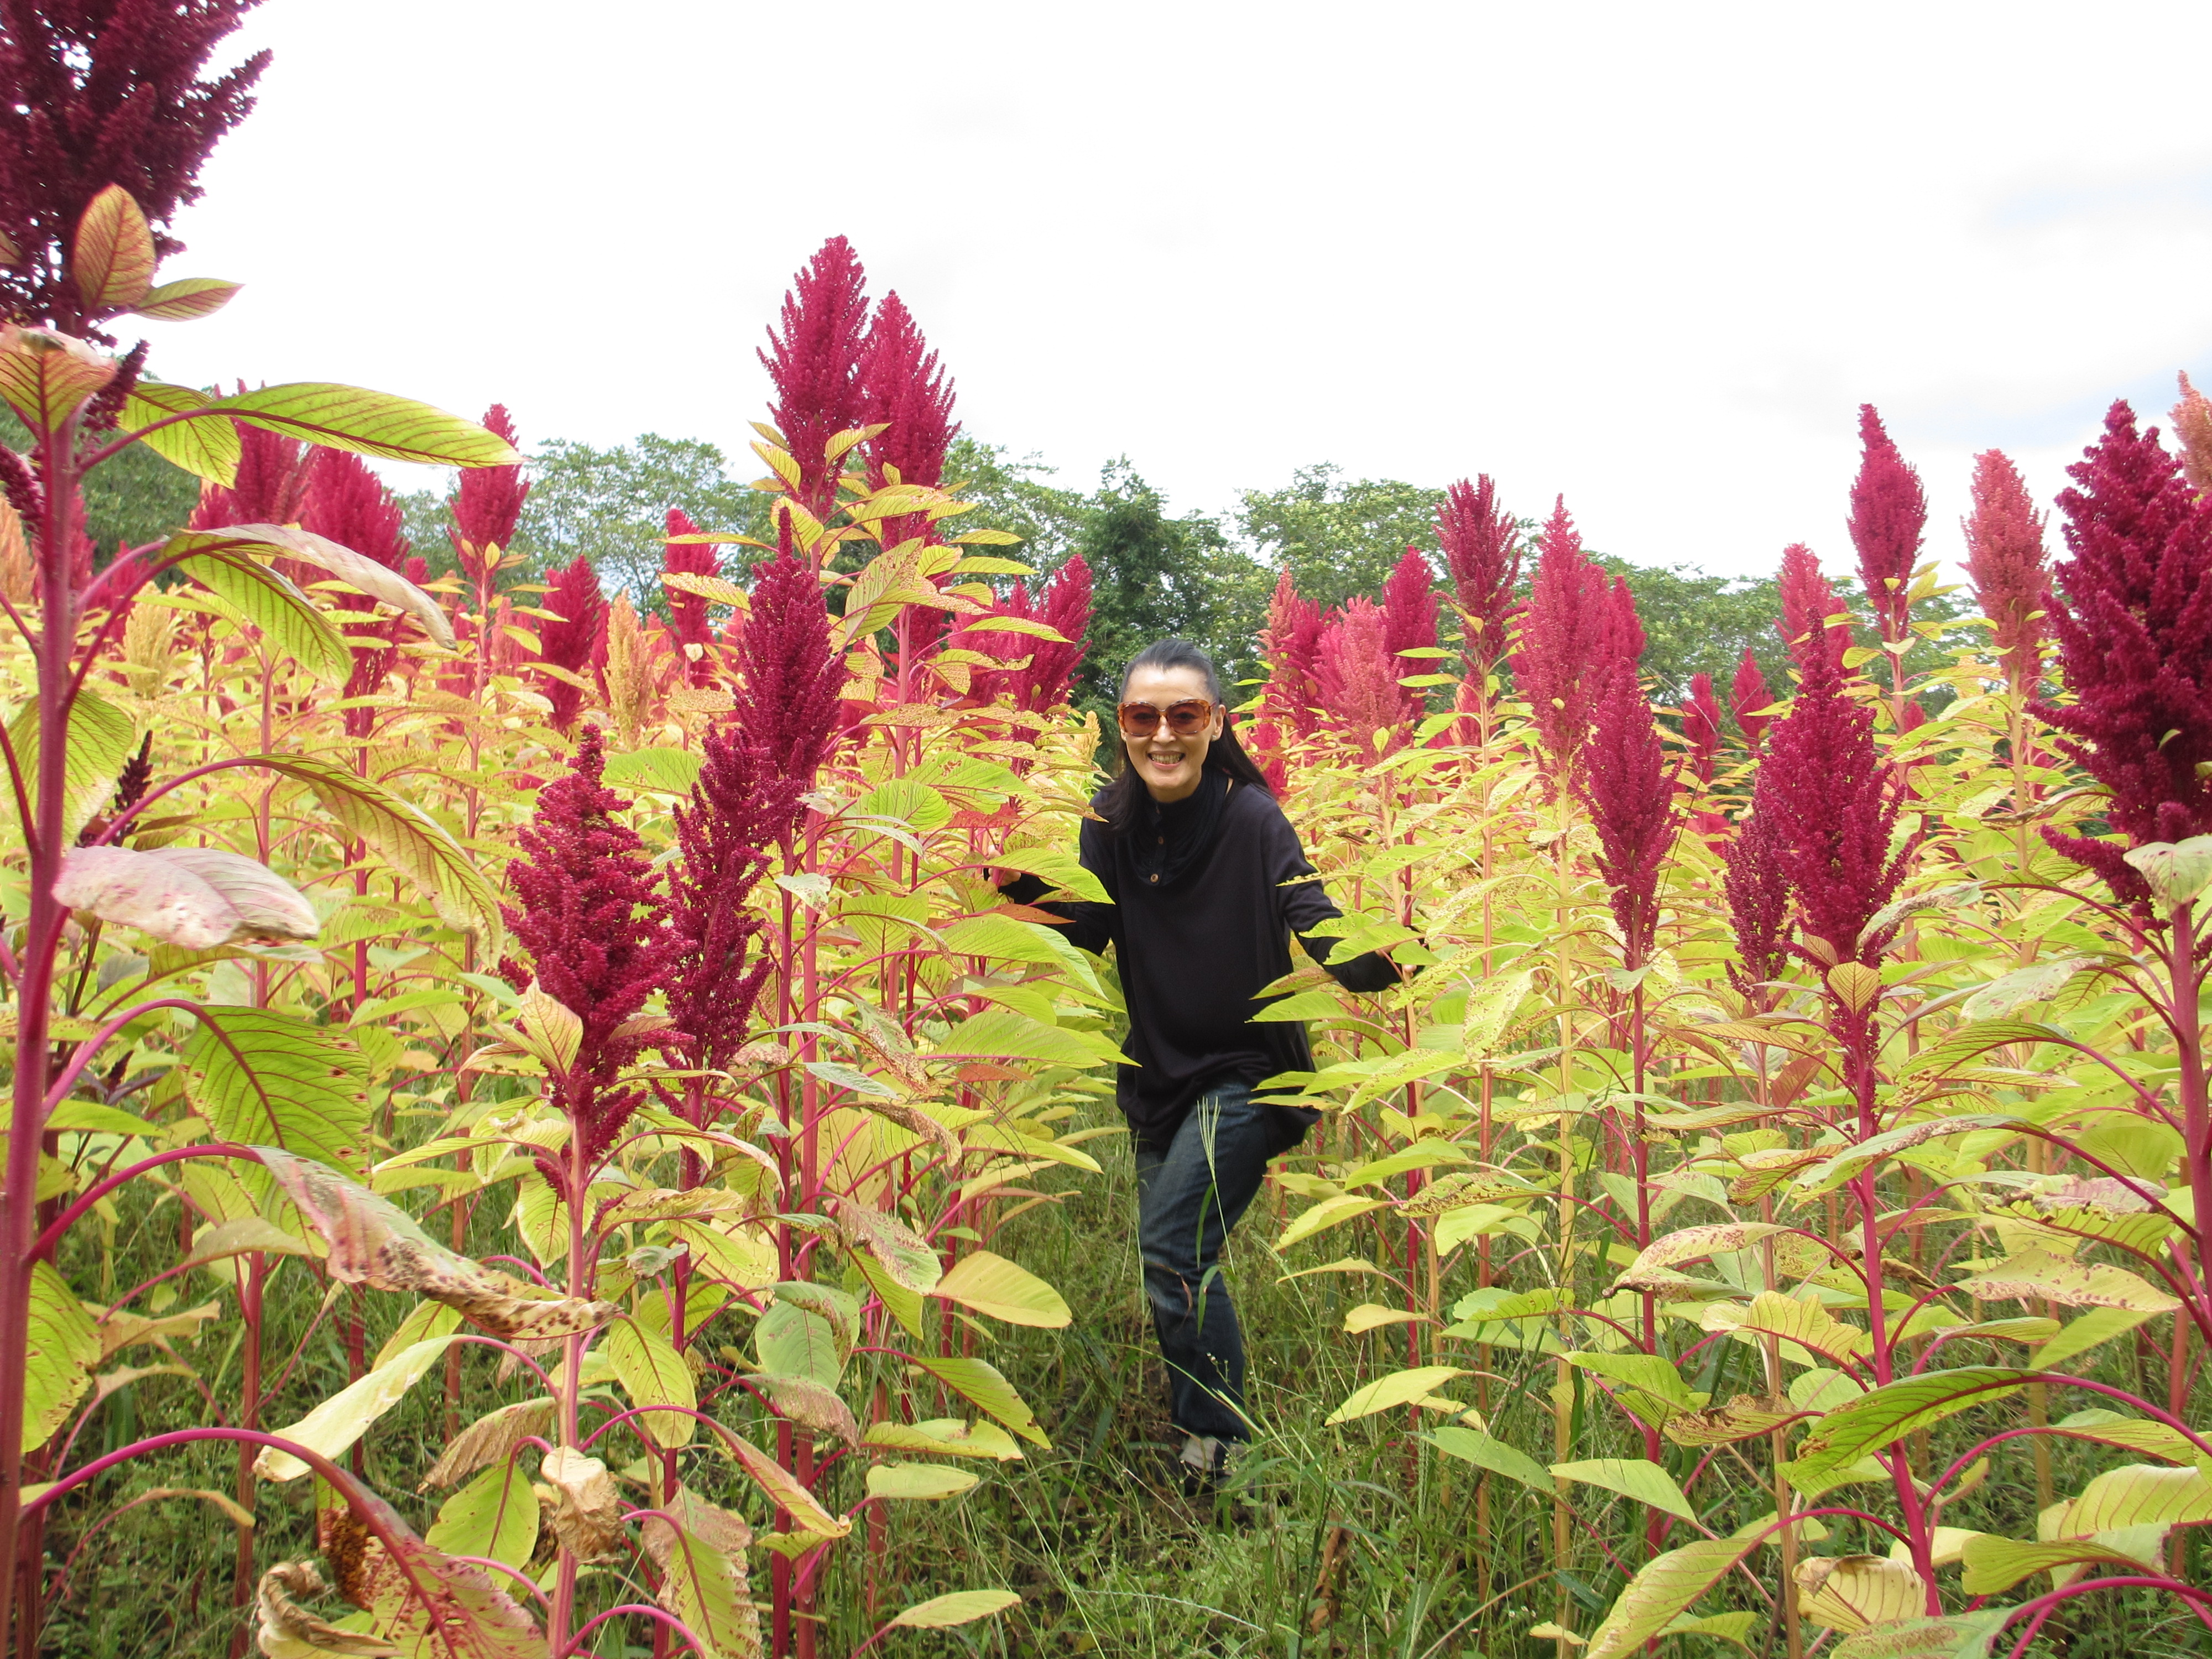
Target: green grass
[(1107, 1555)]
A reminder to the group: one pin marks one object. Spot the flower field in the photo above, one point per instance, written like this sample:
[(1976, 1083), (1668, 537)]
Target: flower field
[(535, 1132)]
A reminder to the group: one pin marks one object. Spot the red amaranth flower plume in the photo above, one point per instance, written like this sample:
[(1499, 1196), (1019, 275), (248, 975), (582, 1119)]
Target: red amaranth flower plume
[(568, 645), (1747, 695), (1626, 782), (1701, 728), (1573, 630), (1889, 511), (588, 911), (1807, 602), (814, 362), (1042, 682), (1293, 646), (1409, 617), (271, 485), (2004, 557), (1481, 547), (787, 676), (2133, 621), (687, 613), (1831, 805), (94, 93), (2192, 430), (904, 390), (487, 502), (349, 504), (1358, 676), (740, 805), (1757, 888)]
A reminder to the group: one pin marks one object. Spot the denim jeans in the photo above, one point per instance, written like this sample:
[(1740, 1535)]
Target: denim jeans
[(1187, 1198)]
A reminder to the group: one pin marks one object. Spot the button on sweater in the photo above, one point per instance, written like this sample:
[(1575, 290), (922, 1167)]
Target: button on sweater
[(1195, 948)]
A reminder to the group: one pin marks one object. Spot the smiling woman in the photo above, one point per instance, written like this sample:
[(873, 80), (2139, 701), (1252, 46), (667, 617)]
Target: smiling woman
[(1208, 883)]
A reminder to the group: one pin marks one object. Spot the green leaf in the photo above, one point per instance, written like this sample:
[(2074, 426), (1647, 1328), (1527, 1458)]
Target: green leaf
[(206, 449), (100, 742), (1647, 1383), (1860, 1427), (1995, 1565), (1487, 1452), (1002, 1034), (2036, 983), (1057, 864), (404, 836), (369, 423), (2135, 1433), (1954, 1636), (1400, 1388), (495, 1515), (1302, 1006), (1329, 1213), (1831, 1173), (2137, 1495), (904, 1303), (662, 771), (1663, 1589), (909, 1259), (992, 1284), (271, 1079), (112, 255), (335, 1425), (44, 376), (652, 1373), (925, 1481), (961, 1607), (64, 1346), (364, 575), (267, 599), (425, 1319), (1634, 1477), (701, 1555), (793, 1341), (946, 1437), (187, 299), (979, 1384)]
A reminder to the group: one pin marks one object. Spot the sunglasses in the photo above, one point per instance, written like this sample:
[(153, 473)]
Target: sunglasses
[(1186, 719)]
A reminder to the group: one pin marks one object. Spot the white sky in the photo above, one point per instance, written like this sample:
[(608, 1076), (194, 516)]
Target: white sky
[(1649, 256)]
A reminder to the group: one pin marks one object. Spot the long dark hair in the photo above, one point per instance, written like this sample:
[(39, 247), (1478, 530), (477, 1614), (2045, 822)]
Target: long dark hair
[(1121, 803)]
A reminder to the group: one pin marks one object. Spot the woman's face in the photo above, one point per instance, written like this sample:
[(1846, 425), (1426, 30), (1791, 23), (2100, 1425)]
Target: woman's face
[(1170, 764)]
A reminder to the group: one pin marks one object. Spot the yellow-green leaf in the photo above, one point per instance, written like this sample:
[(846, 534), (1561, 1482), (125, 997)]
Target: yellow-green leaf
[(369, 423), (652, 1373), (335, 1425), (64, 1346), (112, 256), (1399, 1388), (992, 1284), (1663, 1587), (1635, 1478), (927, 1482), (961, 1607), (495, 1515)]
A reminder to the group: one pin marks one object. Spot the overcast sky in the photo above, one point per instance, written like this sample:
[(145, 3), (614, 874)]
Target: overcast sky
[(1649, 256)]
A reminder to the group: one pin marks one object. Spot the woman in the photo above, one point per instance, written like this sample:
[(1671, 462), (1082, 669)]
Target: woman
[(1196, 855)]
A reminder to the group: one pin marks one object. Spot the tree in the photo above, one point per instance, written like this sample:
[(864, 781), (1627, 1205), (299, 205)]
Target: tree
[(1698, 624), (1154, 577), (1013, 496), (611, 506), (1338, 539)]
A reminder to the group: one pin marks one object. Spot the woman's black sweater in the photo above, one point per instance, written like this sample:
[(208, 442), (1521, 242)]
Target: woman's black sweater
[(1194, 953)]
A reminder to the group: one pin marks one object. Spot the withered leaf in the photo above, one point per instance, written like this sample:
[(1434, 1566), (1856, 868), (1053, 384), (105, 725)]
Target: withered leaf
[(490, 1439), (577, 1496), (288, 1631), (808, 1404), (373, 1242), (1747, 1417)]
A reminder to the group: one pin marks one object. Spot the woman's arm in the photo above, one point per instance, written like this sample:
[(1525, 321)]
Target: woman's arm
[(1305, 906), (1088, 924)]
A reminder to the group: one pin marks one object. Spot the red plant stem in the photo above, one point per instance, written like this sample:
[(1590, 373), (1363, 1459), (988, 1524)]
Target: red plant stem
[(564, 1588), (249, 1417), (58, 531), (48, 1240), (2187, 983)]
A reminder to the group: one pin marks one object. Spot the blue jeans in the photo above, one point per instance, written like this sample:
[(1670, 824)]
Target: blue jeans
[(1187, 1198)]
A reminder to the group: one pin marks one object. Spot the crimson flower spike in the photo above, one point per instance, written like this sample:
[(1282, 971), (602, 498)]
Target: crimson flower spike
[(1889, 512), (1807, 602), (904, 391), (787, 676), (349, 504), (1409, 621), (95, 96), (1701, 728), (1293, 642), (1628, 786), (1757, 889), (2133, 621), (487, 500), (576, 598), (739, 806), (2005, 559), (1573, 631), (1067, 611), (269, 487), (588, 910), (814, 362), (687, 611), (1481, 546), (1747, 695), (2192, 430), (1357, 674)]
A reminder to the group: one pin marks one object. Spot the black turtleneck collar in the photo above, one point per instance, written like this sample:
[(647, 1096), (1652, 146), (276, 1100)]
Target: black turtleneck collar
[(1172, 838)]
